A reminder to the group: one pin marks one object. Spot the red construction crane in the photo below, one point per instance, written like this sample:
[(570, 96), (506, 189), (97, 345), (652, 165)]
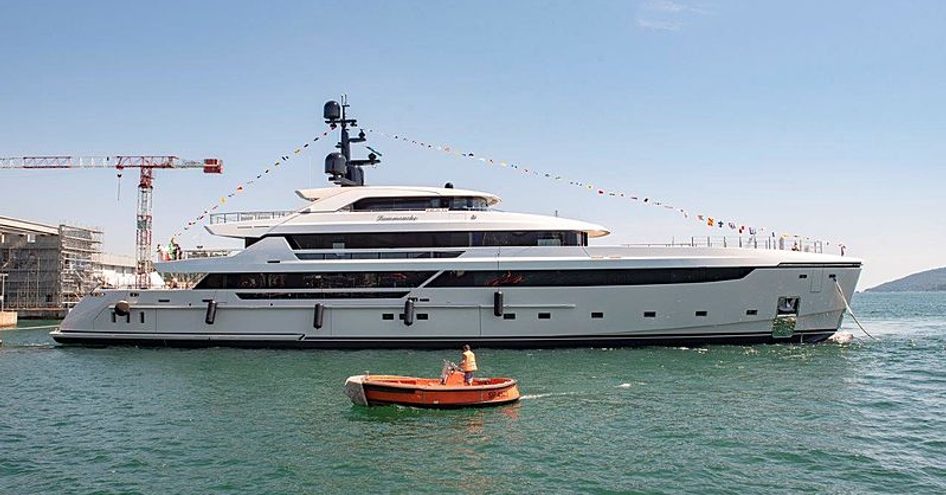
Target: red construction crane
[(146, 165)]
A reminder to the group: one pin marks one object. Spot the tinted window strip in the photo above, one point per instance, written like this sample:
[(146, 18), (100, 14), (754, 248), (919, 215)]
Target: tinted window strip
[(379, 255), (587, 278), (435, 239), (818, 265), (466, 203), (321, 295), (313, 280)]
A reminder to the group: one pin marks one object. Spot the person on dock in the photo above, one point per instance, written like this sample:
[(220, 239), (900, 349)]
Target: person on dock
[(468, 364)]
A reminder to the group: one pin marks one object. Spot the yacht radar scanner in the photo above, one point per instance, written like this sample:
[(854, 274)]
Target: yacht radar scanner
[(339, 166)]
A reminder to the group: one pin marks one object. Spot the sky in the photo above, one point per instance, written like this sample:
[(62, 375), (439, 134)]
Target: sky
[(824, 119)]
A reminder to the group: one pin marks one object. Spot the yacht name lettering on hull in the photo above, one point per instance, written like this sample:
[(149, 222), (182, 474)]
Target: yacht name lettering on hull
[(396, 218)]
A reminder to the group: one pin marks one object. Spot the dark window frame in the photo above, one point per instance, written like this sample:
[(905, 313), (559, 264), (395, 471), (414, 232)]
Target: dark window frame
[(421, 203), (315, 280), (436, 239), (587, 277)]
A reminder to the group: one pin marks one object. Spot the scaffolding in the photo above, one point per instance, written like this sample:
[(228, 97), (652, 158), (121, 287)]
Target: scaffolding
[(49, 268), (80, 263)]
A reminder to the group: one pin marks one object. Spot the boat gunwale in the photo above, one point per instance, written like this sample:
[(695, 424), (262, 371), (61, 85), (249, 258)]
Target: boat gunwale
[(457, 405), (368, 381)]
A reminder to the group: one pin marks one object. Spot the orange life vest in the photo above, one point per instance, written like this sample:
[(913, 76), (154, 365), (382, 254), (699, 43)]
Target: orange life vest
[(469, 362)]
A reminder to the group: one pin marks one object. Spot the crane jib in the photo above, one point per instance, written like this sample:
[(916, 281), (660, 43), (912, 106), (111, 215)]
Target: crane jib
[(146, 164)]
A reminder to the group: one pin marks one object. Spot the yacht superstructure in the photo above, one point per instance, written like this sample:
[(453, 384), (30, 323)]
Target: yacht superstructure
[(371, 266)]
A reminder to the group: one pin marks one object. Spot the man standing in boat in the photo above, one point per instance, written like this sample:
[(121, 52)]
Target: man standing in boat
[(468, 364)]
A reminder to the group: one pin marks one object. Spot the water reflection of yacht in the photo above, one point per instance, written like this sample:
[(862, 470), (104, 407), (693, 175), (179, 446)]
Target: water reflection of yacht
[(370, 266)]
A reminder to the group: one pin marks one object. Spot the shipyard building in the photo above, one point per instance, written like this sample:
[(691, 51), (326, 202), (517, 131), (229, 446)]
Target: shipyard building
[(48, 268)]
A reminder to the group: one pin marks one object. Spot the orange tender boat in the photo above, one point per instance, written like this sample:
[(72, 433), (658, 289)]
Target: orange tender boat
[(448, 391)]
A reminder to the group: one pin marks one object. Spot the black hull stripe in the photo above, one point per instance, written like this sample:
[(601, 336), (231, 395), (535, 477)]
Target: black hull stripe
[(811, 336)]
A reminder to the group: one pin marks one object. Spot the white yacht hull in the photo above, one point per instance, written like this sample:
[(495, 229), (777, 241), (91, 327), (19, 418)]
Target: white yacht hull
[(739, 311)]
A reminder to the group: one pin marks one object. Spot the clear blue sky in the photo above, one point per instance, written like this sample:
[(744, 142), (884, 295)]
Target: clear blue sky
[(823, 118)]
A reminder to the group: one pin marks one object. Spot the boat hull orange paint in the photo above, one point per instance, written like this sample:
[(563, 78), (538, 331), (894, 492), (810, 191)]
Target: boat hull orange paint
[(381, 390)]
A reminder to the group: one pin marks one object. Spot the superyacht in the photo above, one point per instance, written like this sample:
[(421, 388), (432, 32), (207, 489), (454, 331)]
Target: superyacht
[(396, 266)]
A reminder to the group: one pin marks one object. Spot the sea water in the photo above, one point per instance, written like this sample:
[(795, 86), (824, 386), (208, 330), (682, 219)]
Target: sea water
[(868, 417)]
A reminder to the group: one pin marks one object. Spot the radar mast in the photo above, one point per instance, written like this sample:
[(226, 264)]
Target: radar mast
[(341, 169)]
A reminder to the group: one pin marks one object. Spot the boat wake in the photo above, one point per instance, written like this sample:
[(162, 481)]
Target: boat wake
[(542, 396)]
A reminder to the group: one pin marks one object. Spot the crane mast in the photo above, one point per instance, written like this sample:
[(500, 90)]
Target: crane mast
[(146, 164)]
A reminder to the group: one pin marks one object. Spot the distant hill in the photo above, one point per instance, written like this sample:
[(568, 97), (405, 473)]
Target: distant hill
[(930, 280)]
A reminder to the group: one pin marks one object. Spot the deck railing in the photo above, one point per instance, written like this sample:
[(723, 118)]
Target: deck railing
[(775, 243), (208, 253), (244, 216)]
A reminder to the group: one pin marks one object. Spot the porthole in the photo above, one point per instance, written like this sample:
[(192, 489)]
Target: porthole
[(387, 316), (701, 313), (650, 314), (752, 312), (545, 316), (422, 316), (509, 316), (597, 314)]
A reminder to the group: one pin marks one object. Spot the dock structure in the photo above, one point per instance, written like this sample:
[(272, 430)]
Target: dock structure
[(48, 268)]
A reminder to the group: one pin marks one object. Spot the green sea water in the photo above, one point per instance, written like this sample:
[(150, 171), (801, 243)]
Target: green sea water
[(869, 417)]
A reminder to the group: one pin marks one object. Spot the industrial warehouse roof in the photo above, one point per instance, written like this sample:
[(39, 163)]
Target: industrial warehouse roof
[(12, 225), (20, 226)]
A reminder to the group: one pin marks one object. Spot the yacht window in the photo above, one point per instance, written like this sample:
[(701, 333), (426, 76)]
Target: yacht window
[(587, 278), (322, 295), (419, 203), (550, 239), (379, 255), (308, 280), (377, 240)]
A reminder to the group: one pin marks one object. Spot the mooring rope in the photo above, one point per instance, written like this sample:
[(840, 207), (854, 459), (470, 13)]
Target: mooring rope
[(851, 311)]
